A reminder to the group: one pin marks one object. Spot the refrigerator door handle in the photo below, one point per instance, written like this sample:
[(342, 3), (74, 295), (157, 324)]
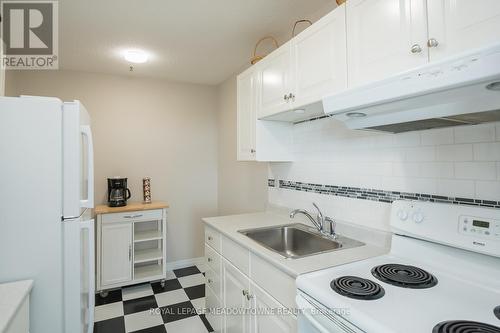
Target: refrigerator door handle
[(89, 225), (89, 202)]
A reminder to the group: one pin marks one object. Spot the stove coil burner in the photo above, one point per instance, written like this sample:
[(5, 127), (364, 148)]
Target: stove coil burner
[(496, 311), (357, 288), (463, 326), (404, 276)]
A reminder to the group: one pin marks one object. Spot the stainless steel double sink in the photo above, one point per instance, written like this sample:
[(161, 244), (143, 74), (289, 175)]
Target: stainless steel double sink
[(295, 241)]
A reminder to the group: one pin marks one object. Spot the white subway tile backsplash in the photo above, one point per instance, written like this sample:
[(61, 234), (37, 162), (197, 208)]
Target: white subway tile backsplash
[(420, 154), (411, 139), (452, 162), (488, 190), (476, 170), (475, 133), (406, 169), (454, 153), (487, 151), (456, 188), (442, 136), (437, 170)]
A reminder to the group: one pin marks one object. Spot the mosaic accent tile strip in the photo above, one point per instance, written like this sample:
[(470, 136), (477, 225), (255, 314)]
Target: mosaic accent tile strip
[(379, 195)]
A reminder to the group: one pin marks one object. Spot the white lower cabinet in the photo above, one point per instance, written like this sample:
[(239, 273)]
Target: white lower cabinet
[(270, 315), (235, 294), (235, 302), (116, 253), (131, 247)]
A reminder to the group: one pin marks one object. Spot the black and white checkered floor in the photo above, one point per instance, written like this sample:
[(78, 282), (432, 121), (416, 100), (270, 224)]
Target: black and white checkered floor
[(151, 308)]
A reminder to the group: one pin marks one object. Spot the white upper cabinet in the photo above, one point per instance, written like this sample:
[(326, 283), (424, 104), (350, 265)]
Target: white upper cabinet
[(459, 25), (384, 37), (246, 116), (258, 140), (319, 55), (275, 77)]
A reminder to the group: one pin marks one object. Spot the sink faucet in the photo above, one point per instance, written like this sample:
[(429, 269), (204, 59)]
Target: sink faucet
[(320, 220)]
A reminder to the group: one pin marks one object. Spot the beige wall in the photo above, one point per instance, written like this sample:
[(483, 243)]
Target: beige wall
[(146, 127), (242, 186)]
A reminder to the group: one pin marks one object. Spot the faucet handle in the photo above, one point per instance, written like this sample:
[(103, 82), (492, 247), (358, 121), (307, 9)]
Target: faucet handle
[(333, 225)]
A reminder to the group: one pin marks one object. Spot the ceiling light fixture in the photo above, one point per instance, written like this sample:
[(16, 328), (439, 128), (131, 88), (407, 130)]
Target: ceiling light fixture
[(135, 56)]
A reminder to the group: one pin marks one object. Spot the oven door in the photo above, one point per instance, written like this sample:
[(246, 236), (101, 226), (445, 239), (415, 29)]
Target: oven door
[(315, 318)]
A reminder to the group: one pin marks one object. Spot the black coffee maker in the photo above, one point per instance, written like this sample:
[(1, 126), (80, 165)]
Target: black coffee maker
[(118, 193)]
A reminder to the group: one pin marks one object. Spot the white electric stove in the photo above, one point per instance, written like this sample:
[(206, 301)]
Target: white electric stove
[(442, 275)]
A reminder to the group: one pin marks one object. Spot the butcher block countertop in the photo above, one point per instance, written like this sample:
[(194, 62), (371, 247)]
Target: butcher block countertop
[(130, 207)]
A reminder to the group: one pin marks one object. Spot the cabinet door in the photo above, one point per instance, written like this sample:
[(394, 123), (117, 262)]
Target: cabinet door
[(116, 253), (380, 38), (246, 116), (215, 319), (459, 25), (269, 314), (320, 63), (274, 80), (236, 285)]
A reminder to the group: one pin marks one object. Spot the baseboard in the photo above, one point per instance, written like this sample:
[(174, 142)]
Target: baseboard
[(199, 262)]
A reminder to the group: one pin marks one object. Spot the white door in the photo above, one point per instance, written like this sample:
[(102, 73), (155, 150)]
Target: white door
[(116, 262), (236, 287), (384, 37), (459, 25), (320, 63), (246, 116), (274, 82), (267, 318)]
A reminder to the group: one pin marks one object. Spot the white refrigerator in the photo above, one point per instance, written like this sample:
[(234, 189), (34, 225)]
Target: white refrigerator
[(46, 193)]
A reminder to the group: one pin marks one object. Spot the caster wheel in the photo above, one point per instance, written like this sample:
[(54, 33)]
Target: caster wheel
[(103, 293)]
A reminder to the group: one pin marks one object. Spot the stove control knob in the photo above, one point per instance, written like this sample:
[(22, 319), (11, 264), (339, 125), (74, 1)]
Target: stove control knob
[(403, 215), (418, 217)]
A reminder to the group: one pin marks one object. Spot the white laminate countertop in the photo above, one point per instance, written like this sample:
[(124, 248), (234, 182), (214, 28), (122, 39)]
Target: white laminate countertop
[(376, 242), (12, 295)]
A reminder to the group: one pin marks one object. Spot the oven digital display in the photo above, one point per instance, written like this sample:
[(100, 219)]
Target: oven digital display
[(480, 224)]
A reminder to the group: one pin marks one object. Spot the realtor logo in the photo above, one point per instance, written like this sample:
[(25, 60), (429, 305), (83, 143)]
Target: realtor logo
[(29, 33)]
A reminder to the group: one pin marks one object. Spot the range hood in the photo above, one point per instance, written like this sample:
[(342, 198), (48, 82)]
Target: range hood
[(461, 90)]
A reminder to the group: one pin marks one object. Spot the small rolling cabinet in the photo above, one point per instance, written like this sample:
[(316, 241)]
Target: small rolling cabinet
[(131, 245)]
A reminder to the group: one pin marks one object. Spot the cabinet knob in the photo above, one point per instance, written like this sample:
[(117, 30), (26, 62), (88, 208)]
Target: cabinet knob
[(209, 280), (209, 259), (210, 238), (415, 48), (252, 151), (244, 292), (249, 296), (291, 96), (432, 42), (285, 98)]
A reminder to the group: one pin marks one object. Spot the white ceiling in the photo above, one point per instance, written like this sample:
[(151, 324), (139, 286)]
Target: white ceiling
[(198, 41)]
